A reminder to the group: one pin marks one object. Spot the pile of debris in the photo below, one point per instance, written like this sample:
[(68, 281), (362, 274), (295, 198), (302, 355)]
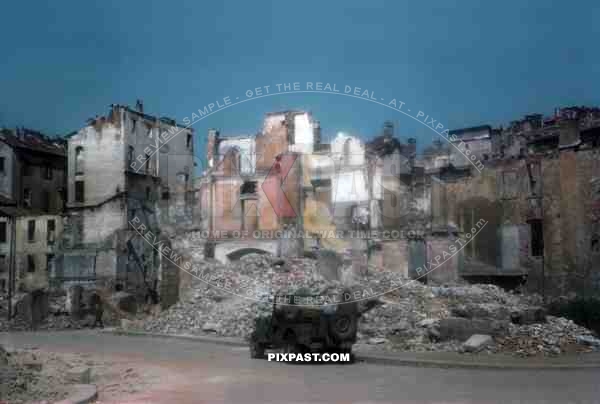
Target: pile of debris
[(411, 315), (247, 286), (25, 378), (555, 336), (54, 311), (418, 317)]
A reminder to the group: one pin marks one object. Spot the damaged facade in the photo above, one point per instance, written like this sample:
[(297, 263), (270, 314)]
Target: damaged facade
[(127, 167), (32, 180), (530, 192)]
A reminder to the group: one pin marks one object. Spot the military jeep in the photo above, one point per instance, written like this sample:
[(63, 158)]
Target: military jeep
[(298, 328)]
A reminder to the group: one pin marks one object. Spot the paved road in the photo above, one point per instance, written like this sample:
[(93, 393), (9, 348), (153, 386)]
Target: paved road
[(206, 373)]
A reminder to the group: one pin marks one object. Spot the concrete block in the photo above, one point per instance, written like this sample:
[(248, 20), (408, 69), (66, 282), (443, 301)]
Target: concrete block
[(80, 374), (462, 328), (588, 340), (124, 301), (477, 342), (531, 315), (33, 365)]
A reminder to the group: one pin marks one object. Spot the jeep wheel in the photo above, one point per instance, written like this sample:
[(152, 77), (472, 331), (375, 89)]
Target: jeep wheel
[(343, 326), (257, 350), (289, 343), (350, 353)]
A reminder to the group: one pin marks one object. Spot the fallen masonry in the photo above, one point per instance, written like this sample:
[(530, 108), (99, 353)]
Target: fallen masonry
[(413, 317)]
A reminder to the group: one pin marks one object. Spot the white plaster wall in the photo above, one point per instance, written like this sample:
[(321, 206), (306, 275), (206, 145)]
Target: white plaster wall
[(174, 156), (104, 163), (40, 243), (103, 221), (319, 166), (247, 150), (356, 149), (385, 176), (303, 134), (272, 121), (350, 186)]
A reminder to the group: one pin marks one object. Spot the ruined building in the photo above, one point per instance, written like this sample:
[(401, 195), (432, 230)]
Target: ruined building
[(539, 192), (238, 214), (32, 190), (124, 167), (504, 205), (285, 192)]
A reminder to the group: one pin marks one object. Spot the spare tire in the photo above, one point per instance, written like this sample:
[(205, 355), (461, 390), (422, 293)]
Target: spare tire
[(343, 326)]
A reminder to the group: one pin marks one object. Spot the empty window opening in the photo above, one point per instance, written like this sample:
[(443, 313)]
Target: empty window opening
[(27, 197), (130, 151), (3, 232), (51, 227), (248, 187), (48, 172), (79, 191), (50, 263), (537, 238), (595, 245), (30, 263), (147, 163), (31, 230), (79, 160)]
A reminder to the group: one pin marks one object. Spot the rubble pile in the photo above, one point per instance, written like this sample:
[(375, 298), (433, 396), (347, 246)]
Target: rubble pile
[(25, 377), (246, 284), (57, 316), (557, 335), (412, 316)]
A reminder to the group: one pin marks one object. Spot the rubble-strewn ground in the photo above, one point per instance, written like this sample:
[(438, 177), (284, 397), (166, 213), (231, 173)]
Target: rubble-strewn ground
[(410, 316), (408, 319), (28, 376), (58, 317), (35, 376)]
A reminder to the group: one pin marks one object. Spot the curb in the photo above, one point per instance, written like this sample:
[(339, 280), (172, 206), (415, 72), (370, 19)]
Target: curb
[(81, 394), (229, 341), (374, 359), (447, 364)]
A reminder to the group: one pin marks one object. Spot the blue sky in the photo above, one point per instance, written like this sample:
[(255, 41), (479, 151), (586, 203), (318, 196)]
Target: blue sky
[(464, 62)]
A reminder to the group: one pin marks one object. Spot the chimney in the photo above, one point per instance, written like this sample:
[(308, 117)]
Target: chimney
[(212, 147), (388, 129), (139, 106)]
